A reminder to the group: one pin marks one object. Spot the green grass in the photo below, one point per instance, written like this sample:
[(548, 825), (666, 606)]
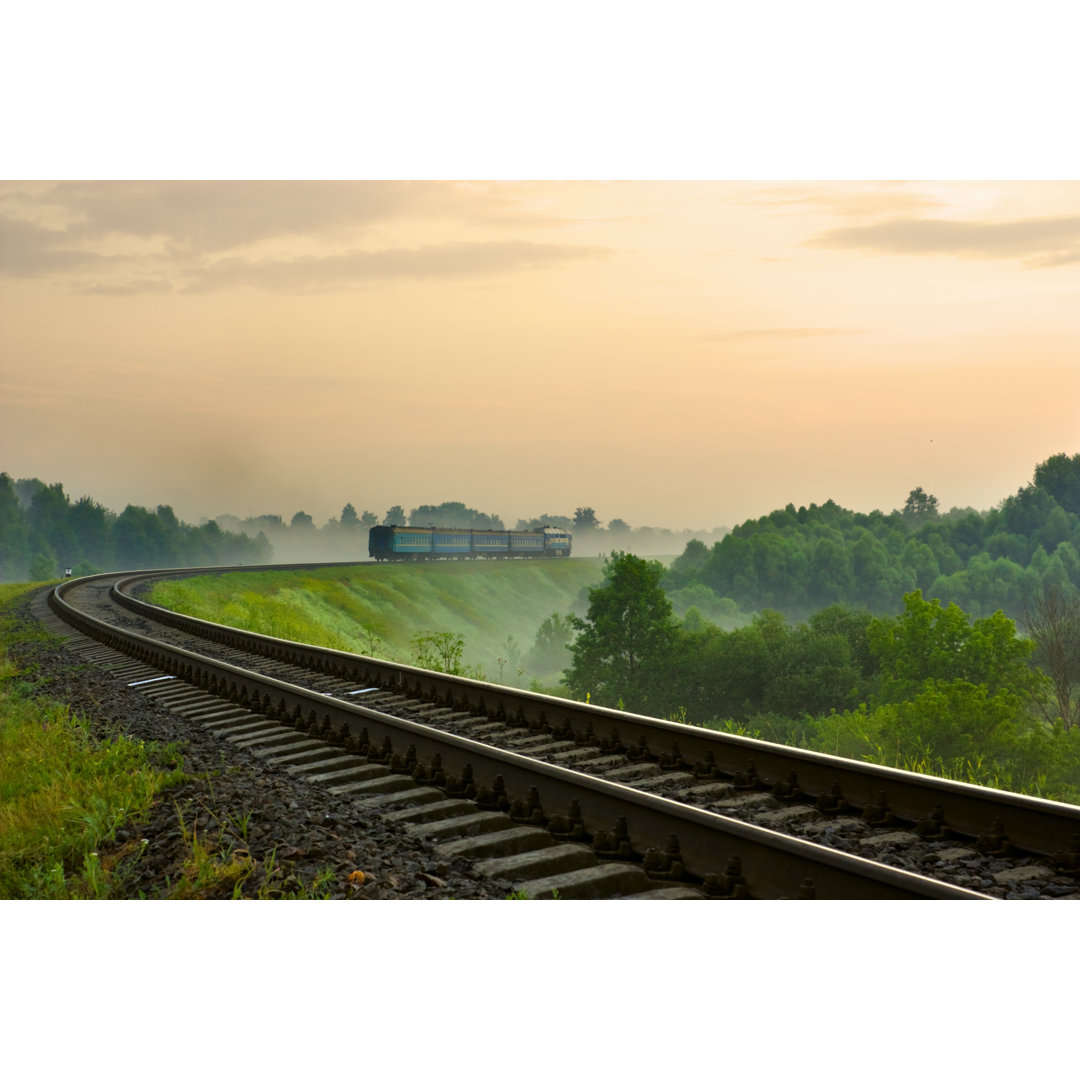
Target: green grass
[(378, 609), (65, 792)]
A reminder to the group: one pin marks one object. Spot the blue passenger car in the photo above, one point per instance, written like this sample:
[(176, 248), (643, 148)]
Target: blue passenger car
[(399, 542)]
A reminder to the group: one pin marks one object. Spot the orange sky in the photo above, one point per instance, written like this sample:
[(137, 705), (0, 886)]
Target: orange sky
[(682, 354)]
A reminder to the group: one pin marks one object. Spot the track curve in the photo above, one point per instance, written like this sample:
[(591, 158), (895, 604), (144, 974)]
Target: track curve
[(706, 845)]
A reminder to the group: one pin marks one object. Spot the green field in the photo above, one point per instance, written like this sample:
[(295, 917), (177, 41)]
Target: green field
[(377, 609)]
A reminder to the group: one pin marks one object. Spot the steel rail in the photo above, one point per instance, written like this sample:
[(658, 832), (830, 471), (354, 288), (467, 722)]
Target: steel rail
[(1040, 826), (772, 865)]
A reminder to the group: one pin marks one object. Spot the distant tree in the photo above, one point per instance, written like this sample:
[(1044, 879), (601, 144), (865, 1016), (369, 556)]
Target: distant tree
[(92, 525), (556, 521), (685, 568), (349, 519), (142, 539), (301, 521), (266, 522), (585, 518), (14, 532), (920, 507), (1060, 476), (618, 528), (43, 566), (550, 651), (167, 517), (49, 518), (1052, 620), (454, 515), (394, 516), (625, 639), (368, 519)]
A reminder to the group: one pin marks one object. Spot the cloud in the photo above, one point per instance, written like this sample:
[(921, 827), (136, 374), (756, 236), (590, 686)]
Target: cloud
[(781, 332), (31, 250), (1043, 241), (872, 202), (196, 218), (128, 288), (124, 238), (312, 273)]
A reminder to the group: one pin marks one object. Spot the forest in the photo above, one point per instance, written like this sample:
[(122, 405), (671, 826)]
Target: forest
[(797, 561), (43, 534), (873, 668)]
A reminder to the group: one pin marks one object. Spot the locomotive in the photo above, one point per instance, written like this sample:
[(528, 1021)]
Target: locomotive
[(412, 542)]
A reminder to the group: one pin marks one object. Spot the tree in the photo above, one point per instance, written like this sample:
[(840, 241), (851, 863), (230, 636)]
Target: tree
[(549, 653), (1052, 620), (929, 643), (625, 639), (368, 520), (302, 521), (585, 518), (1060, 476), (349, 519), (394, 516), (14, 533), (920, 507)]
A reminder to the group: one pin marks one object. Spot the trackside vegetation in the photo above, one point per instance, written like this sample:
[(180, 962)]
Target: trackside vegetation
[(63, 792), (928, 690), (73, 799)]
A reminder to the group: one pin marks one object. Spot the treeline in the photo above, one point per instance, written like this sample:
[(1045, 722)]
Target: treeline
[(43, 533), (345, 537), (797, 561)]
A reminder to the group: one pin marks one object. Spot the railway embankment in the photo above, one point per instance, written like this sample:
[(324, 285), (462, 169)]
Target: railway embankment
[(377, 609)]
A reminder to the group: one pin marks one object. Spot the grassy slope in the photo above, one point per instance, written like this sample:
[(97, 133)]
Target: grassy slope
[(349, 608)]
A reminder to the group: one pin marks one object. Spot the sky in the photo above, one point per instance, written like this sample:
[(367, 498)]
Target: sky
[(536, 259), (673, 353)]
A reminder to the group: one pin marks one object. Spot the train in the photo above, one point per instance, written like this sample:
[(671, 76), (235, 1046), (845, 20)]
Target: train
[(400, 542)]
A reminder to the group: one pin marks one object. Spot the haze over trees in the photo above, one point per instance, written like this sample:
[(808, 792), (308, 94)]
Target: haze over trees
[(42, 533), (928, 689), (798, 560)]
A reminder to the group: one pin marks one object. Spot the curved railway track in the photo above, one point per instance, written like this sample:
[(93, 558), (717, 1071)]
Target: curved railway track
[(571, 799)]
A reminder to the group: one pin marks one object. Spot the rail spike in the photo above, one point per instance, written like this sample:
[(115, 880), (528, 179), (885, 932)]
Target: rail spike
[(666, 865), (462, 787), (528, 811), (615, 844), (932, 827), (879, 813), (570, 826), (995, 842), (730, 885), (833, 801), (787, 789), (494, 797)]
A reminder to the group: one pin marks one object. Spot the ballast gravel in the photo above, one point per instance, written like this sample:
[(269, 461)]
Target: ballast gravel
[(300, 839)]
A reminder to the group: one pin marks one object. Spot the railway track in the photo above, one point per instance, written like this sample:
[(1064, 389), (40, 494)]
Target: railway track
[(577, 800)]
